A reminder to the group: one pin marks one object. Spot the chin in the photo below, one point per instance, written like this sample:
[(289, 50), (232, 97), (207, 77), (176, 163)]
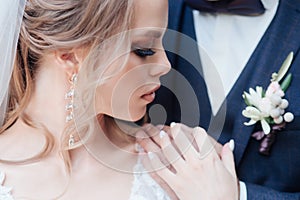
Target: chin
[(140, 114), (134, 122), (135, 115)]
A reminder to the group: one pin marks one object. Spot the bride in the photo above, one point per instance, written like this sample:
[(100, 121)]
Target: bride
[(74, 75), (77, 65)]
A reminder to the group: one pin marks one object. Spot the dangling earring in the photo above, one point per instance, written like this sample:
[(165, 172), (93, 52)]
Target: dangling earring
[(70, 105), (71, 141)]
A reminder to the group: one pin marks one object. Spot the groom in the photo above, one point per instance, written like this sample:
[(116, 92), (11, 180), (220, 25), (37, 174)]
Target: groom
[(240, 44)]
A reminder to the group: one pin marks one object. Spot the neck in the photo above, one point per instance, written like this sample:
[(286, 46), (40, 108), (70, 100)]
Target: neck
[(107, 146), (47, 105)]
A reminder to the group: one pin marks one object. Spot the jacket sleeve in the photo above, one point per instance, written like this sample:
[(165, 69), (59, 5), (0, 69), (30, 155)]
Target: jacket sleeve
[(257, 192)]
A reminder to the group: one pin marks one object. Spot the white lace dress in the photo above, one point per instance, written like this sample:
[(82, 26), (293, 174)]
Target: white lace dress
[(5, 192), (143, 187)]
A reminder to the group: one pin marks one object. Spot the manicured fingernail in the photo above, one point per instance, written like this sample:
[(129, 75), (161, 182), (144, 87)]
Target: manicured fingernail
[(162, 134), (150, 155), (172, 124), (231, 144), (160, 126), (71, 64), (138, 148)]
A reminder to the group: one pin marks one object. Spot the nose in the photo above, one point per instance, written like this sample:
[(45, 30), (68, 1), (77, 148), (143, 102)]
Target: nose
[(163, 65)]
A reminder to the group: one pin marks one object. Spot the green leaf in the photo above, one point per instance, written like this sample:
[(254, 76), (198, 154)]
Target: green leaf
[(284, 68), (286, 82), (269, 120)]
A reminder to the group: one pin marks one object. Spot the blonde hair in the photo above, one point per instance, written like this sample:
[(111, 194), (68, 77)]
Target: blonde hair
[(50, 25)]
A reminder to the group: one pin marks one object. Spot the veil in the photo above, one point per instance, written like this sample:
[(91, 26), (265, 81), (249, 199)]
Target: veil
[(11, 14)]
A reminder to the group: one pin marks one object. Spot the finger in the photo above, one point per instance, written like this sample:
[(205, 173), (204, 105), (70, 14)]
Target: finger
[(188, 131), (153, 132), (144, 157), (158, 167), (182, 143), (148, 145), (167, 129), (227, 157), (163, 130), (164, 185), (205, 143), (145, 142), (170, 152), (218, 146), (161, 173), (153, 161)]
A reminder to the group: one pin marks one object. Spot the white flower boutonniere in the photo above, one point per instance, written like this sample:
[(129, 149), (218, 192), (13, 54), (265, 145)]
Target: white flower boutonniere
[(269, 106)]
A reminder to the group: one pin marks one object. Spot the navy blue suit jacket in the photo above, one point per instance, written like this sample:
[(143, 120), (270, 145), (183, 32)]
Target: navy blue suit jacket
[(267, 177)]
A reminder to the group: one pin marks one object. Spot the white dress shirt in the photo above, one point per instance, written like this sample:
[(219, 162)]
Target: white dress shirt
[(226, 43)]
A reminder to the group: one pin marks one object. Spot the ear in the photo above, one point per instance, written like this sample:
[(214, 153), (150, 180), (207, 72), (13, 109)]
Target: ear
[(67, 60)]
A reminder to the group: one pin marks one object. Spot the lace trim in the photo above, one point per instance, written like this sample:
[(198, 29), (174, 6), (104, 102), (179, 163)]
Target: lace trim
[(5, 192), (144, 187)]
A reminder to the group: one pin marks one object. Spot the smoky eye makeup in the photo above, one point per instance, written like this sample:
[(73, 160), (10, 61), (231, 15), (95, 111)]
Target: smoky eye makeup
[(143, 49), (144, 52)]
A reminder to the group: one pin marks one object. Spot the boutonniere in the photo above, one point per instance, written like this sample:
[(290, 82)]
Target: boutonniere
[(268, 107)]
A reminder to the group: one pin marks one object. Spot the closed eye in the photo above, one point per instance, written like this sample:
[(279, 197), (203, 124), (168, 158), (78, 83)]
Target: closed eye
[(144, 52)]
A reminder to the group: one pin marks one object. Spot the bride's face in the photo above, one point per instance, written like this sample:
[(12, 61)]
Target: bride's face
[(126, 95)]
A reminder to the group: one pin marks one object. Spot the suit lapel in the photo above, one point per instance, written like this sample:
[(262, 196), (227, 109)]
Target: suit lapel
[(262, 64), (189, 67), (175, 16)]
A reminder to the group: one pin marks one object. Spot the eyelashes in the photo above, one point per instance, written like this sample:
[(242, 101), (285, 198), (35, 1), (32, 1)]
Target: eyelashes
[(143, 53)]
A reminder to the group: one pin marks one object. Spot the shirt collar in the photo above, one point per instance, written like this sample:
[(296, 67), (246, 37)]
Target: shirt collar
[(269, 4)]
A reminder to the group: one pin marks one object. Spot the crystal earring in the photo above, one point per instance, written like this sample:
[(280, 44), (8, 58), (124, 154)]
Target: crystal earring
[(70, 105), (70, 96), (71, 141)]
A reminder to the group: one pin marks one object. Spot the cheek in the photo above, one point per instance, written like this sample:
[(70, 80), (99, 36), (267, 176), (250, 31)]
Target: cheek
[(121, 101), (126, 84), (119, 97)]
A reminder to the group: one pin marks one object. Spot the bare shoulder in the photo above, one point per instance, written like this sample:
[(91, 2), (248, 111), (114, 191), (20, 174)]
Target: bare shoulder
[(19, 143)]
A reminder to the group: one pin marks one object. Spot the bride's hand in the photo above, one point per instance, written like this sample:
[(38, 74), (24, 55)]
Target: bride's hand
[(195, 171), (149, 137)]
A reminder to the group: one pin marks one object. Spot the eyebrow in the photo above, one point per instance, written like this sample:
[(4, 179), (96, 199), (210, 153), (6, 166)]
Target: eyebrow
[(152, 33), (155, 34)]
